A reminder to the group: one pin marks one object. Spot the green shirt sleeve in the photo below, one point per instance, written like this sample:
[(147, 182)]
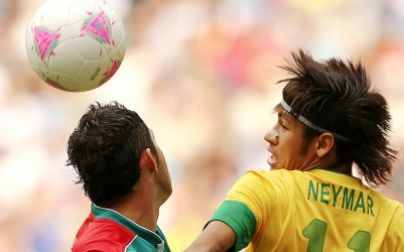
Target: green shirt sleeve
[(239, 218)]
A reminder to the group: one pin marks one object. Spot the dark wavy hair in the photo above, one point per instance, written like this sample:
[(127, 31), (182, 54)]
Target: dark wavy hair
[(337, 96), (105, 149)]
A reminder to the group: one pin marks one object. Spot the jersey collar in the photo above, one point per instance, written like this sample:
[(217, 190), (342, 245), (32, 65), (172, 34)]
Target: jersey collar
[(106, 213)]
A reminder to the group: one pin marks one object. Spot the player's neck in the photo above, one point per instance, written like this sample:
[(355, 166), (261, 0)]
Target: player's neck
[(140, 208), (330, 162), (340, 168)]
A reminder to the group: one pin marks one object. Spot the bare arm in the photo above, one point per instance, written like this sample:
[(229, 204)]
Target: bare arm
[(217, 236)]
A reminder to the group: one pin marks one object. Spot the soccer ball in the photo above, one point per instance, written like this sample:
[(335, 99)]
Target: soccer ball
[(75, 45)]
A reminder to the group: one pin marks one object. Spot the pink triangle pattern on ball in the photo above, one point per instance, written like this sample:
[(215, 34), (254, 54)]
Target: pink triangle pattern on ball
[(45, 41), (98, 26)]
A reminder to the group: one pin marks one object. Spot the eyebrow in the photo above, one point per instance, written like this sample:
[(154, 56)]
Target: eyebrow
[(281, 114), (284, 116)]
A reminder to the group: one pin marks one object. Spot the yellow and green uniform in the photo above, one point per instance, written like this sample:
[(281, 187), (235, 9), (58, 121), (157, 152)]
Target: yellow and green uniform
[(313, 211)]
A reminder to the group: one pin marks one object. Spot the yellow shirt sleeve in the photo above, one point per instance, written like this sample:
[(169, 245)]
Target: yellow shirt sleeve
[(247, 205), (394, 241)]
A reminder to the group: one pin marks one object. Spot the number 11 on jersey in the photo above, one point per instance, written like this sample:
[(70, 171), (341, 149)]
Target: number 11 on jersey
[(316, 230)]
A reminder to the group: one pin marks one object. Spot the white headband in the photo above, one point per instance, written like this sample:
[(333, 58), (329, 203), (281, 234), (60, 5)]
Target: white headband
[(309, 124)]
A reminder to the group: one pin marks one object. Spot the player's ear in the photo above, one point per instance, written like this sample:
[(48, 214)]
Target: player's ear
[(325, 143), (147, 160)]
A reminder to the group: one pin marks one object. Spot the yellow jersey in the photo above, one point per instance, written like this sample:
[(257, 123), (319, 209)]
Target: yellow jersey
[(313, 211)]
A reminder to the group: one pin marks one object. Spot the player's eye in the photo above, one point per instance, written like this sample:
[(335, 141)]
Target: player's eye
[(281, 120), (282, 123)]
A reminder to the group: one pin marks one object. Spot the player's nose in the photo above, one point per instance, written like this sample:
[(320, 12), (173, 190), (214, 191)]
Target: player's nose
[(272, 136)]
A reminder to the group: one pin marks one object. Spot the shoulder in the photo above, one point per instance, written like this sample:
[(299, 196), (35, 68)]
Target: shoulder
[(278, 178), (398, 215), (269, 180), (394, 240), (273, 174), (103, 235), (262, 187)]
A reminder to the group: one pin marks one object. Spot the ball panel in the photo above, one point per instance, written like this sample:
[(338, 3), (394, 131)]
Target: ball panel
[(65, 82), (93, 73), (90, 49), (65, 58), (69, 82)]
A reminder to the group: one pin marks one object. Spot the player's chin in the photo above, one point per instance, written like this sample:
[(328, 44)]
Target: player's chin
[(273, 166), (272, 162)]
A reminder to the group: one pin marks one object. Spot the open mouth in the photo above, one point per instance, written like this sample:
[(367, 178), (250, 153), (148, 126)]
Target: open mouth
[(271, 159)]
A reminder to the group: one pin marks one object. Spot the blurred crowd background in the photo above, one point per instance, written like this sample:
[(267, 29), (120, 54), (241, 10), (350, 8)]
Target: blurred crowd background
[(202, 74)]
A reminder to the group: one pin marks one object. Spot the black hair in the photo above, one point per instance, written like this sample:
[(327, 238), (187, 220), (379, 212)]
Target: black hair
[(105, 150), (337, 96)]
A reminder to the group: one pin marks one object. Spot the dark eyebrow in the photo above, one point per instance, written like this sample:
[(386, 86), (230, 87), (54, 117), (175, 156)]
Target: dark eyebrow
[(282, 117), (282, 114), (285, 116)]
